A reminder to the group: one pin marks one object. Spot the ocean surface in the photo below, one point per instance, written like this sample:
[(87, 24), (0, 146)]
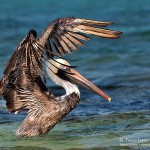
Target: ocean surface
[(120, 67)]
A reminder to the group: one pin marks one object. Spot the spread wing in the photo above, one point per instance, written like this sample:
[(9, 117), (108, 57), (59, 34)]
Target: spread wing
[(24, 93), (22, 85), (25, 57), (16, 90), (63, 35)]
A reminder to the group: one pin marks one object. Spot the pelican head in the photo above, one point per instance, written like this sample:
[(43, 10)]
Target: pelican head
[(60, 72)]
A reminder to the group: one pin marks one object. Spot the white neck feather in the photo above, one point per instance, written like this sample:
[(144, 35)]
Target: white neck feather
[(68, 86)]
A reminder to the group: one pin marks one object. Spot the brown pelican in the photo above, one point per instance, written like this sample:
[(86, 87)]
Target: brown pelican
[(22, 86)]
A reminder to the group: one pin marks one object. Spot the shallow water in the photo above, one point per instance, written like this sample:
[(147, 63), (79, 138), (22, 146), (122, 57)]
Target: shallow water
[(99, 131), (119, 66)]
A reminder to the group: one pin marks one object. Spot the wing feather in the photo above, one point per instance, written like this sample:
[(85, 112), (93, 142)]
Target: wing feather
[(24, 93), (69, 42), (66, 33)]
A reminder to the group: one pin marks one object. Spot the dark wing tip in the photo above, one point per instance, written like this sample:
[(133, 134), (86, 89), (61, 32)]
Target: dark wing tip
[(32, 32)]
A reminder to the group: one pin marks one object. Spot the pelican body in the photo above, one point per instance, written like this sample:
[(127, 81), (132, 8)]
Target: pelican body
[(23, 84)]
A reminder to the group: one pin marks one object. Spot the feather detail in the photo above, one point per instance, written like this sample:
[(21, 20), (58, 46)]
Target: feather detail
[(66, 33)]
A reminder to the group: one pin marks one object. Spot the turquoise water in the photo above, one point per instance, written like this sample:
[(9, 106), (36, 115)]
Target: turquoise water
[(119, 66)]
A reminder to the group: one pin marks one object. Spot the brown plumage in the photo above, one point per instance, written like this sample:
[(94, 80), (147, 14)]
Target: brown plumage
[(22, 86)]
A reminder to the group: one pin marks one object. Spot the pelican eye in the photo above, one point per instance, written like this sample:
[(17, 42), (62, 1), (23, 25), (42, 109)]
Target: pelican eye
[(65, 68)]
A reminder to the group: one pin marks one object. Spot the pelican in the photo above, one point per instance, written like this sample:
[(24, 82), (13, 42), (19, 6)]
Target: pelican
[(23, 85)]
